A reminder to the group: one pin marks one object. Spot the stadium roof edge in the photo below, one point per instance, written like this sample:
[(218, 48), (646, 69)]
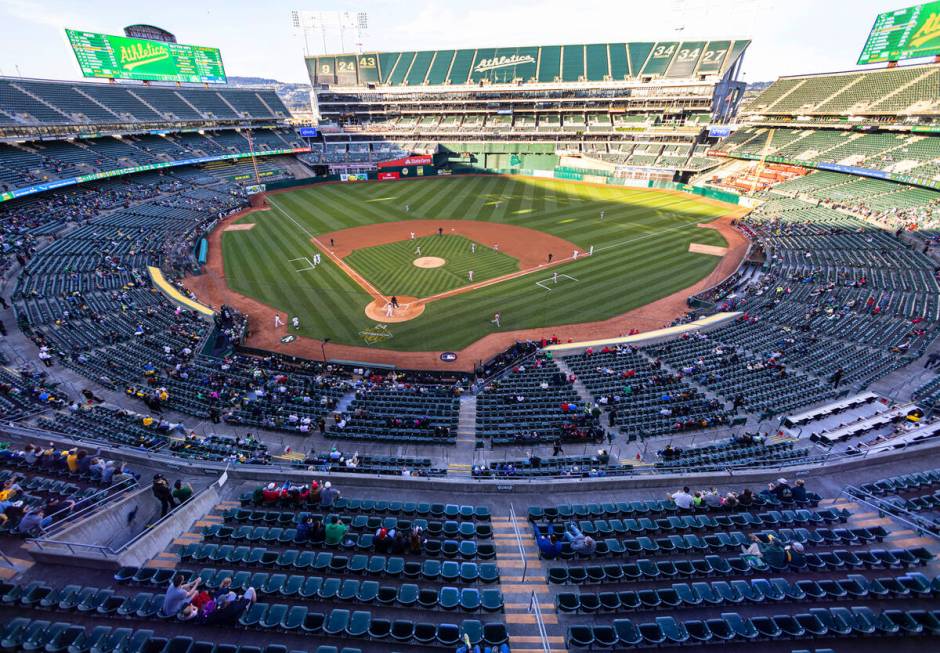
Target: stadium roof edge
[(138, 84), (525, 45), (856, 71)]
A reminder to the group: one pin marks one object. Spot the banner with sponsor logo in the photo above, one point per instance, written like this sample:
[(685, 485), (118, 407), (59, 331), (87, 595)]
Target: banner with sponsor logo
[(419, 160), (385, 176)]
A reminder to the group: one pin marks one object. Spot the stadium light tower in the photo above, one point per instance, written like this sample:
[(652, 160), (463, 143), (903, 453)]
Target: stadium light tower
[(362, 24), (358, 21), (309, 21)]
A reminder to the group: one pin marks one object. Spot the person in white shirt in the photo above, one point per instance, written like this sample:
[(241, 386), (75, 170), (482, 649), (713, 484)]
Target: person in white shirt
[(683, 499)]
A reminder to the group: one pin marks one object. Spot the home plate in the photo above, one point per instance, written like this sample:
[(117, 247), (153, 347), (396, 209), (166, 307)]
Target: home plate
[(697, 248)]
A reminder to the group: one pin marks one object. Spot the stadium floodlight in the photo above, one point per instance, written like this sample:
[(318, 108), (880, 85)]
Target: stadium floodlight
[(362, 21)]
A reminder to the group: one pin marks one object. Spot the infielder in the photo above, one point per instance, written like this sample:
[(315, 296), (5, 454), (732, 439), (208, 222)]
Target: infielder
[(470, 275), (473, 248), (295, 322), (277, 320), (418, 251), (574, 255)]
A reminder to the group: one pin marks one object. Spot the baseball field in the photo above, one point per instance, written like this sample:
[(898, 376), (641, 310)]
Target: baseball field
[(542, 252)]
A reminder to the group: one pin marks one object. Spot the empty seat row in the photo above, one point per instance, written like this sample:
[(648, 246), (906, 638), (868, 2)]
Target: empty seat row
[(433, 570), (361, 624), (22, 633), (757, 590), (732, 627), (421, 509)]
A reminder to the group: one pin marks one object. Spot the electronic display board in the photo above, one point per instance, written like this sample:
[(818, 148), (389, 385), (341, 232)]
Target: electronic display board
[(903, 34), (120, 57)]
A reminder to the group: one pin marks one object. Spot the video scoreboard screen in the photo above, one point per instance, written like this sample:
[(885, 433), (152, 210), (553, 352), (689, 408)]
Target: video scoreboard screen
[(904, 34), (120, 57)]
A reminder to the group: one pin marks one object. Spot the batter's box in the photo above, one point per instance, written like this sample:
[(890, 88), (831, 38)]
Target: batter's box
[(551, 282), (310, 265)]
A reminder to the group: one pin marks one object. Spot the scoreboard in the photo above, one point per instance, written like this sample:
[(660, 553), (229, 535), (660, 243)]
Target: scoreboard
[(120, 57), (903, 34)]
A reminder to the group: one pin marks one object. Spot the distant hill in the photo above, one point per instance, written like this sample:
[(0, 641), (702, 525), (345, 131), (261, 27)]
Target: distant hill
[(295, 96)]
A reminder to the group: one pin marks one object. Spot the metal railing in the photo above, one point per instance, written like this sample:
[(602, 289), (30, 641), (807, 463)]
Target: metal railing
[(169, 461), (919, 524), (74, 548), (92, 504), (515, 530), (536, 609)]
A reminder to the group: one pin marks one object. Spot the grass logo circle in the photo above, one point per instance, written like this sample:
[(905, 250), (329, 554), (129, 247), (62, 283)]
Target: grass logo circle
[(377, 333)]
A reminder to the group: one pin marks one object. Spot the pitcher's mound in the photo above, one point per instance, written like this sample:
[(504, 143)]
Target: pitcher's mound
[(429, 262), (408, 309)]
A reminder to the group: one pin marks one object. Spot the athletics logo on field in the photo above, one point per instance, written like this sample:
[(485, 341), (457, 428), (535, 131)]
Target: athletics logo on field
[(287, 339), (377, 333)]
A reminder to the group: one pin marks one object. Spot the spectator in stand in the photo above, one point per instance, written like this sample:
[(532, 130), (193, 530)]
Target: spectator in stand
[(754, 551), (271, 493), (547, 543), (179, 595), (682, 498), (711, 499), (182, 491), (317, 532), (304, 528), (782, 490), (774, 554), (161, 490), (328, 495), (799, 491), (33, 523), (746, 498), (335, 530), (796, 554)]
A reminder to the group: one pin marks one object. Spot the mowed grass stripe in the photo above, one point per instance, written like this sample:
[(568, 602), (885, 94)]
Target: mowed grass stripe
[(609, 280), (647, 229)]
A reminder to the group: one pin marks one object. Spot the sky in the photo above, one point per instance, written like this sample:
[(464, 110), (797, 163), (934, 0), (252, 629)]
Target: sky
[(257, 39)]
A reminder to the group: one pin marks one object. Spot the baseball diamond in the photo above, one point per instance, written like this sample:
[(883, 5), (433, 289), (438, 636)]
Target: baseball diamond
[(641, 253)]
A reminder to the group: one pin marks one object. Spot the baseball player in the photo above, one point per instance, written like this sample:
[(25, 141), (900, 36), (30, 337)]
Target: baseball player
[(470, 276), (277, 320)]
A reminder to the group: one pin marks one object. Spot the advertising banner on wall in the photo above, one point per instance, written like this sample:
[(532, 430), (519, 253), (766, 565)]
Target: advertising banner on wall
[(386, 176), (420, 160)]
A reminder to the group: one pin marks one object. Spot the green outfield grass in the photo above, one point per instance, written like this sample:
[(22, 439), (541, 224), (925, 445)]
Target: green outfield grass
[(641, 253), (390, 267)]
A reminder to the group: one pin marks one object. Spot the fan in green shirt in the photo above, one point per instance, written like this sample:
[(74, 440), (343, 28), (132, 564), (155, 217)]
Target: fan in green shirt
[(335, 530), (182, 491)]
